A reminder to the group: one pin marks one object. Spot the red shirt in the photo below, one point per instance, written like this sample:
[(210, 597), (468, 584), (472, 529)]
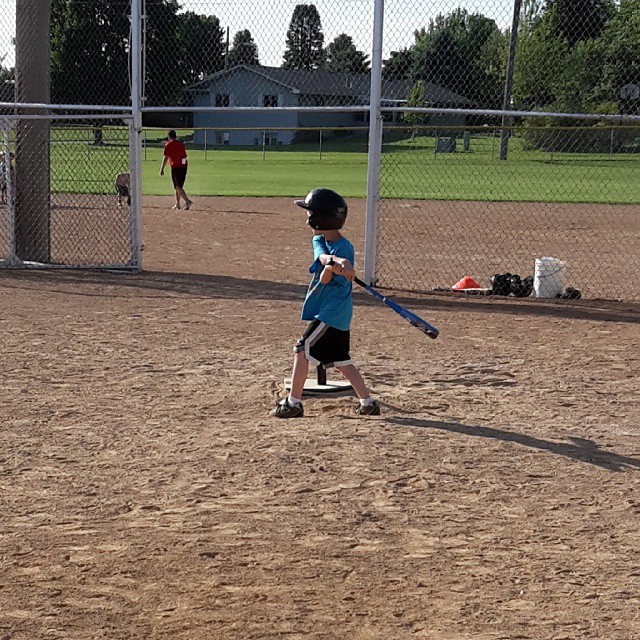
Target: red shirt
[(177, 154)]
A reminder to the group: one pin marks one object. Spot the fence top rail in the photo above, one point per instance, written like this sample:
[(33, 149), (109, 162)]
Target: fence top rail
[(52, 116), (425, 110), (68, 107), (513, 114), (271, 129), (486, 128), (326, 109), (188, 109)]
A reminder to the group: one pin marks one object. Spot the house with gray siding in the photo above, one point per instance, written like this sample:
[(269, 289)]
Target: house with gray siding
[(257, 86)]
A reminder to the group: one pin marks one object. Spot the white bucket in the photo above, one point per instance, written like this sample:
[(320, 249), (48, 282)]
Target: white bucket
[(548, 277)]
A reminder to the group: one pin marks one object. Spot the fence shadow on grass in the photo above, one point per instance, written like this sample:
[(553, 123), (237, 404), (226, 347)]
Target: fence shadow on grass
[(580, 449), (154, 284)]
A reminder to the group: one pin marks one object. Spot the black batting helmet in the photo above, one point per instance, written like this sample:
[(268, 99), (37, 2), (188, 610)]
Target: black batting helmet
[(328, 210)]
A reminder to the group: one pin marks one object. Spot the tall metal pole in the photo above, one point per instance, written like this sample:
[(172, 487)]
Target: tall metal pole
[(32, 161), (135, 138), (375, 147), (10, 260), (508, 84), (226, 50)]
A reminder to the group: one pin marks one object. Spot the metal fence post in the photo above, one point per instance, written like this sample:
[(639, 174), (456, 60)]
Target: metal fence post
[(508, 85), (135, 138), (375, 147), (8, 178)]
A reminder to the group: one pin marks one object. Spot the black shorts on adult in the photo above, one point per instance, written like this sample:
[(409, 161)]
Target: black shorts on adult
[(178, 175), (325, 345)]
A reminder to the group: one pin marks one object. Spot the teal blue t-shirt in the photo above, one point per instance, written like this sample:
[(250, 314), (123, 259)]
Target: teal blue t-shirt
[(330, 303)]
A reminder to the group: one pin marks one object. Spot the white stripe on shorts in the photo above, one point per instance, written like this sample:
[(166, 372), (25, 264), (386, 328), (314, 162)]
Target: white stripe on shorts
[(311, 340)]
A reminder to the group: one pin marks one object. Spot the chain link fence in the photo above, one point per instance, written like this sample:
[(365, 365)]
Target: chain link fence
[(572, 56), (65, 211), (476, 192), (468, 93), (451, 208)]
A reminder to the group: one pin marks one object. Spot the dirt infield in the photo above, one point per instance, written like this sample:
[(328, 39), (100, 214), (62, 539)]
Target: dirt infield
[(146, 494), (427, 244)]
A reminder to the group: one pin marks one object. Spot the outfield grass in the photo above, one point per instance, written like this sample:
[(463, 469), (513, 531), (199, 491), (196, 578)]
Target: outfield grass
[(410, 169), (416, 171)]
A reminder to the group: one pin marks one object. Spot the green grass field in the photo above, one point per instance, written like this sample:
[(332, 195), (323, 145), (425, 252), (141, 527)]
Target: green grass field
[(410, 169)]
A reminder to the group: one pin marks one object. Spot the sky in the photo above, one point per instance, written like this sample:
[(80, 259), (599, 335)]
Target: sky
[(268, 20)]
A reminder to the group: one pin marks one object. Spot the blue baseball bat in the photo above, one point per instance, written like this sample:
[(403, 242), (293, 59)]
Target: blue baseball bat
[(409, 316)]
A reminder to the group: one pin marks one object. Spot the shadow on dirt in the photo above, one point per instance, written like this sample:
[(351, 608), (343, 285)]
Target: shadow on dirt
[(580, 449), (154, 284)]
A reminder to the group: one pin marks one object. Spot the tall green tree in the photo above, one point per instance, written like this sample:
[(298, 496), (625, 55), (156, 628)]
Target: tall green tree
[(7, 74), (399, 65), (540, 59), (578, 20), (415, 100), (530, 13), (460, 51), (621, 45), (203, 47), (163, 53), (342, 55), (559, 60), (243, 50), (463, 52), (305, 39), (89, 52)]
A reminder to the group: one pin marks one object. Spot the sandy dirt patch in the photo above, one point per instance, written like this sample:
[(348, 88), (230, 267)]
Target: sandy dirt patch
[(146, 493)]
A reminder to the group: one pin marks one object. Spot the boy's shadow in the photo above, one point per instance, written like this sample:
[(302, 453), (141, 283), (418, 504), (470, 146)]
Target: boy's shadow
[(580, 449)]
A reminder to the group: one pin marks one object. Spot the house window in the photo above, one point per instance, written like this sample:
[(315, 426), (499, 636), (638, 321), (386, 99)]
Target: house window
[(222, 100), (269, 101)]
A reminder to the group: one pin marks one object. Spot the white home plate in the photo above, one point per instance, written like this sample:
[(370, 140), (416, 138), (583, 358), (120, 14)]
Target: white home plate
[(314, 388)]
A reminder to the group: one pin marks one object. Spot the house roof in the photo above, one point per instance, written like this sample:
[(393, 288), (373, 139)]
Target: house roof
[(331, 83)]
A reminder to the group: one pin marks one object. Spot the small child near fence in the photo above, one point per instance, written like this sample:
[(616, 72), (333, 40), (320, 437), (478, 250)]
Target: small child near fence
[(122, 187), (3, 176)]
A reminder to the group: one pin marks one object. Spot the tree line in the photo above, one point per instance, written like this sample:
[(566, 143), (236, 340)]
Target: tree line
[(90, 50), (572, 55)]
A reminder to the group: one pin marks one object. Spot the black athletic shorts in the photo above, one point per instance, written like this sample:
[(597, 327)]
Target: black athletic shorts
[(178, 175), (325, 345)]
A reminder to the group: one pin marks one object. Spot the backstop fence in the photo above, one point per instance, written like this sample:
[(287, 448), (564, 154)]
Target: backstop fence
[(65, 213), (498, 132)]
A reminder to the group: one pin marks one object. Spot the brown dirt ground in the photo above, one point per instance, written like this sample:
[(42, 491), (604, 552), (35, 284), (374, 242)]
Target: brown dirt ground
[(426, 244), (145, 492)]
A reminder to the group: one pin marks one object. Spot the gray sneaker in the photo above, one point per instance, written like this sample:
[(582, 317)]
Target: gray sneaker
[(368, 410), (285, 410)]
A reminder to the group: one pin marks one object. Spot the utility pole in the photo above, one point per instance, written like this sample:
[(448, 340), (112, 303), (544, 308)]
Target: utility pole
[(226, 53), (32, 158), (508, 84)]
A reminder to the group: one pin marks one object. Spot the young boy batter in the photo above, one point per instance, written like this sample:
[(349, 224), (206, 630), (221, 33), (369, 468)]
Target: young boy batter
[(328, 305)]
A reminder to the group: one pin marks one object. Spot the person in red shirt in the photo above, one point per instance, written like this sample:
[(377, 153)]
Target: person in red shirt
[(176, 155)]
